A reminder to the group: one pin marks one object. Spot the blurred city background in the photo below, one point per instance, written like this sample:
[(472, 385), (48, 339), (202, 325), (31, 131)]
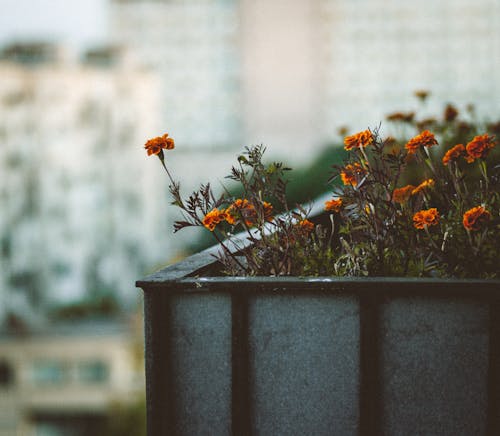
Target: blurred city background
[(84, 212)]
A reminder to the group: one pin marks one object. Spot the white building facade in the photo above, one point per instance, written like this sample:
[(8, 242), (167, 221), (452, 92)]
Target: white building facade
[(296, 70), (86, 211), (78, 214)]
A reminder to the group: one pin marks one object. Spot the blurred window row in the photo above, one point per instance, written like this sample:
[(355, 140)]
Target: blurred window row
[(54, 372)]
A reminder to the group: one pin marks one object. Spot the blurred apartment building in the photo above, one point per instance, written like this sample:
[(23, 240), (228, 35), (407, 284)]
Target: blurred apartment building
[(66, 379), (78, 217), (86, 211), (288, 73)]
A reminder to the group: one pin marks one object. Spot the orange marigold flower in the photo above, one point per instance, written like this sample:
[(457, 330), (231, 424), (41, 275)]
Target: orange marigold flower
[(424, 139), (213, 218), (479, 147), (241, 209), (429, 183), (425, 218), (306, 225), (156, 145), (476, 217), (401, 195), (361, 139), (453, 154), (351, 172), (333, 205)]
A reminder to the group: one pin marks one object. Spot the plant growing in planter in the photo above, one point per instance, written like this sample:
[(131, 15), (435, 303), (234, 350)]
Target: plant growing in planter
[(307, 333), (402, 210)]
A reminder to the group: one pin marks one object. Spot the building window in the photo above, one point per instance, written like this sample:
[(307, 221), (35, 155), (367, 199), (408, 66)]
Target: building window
[(93, 372), (49, 372)]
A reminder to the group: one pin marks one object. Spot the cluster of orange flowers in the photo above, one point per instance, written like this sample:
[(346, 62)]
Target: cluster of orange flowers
[(156, 145), (478, 148), (239, 210), (474, 219)]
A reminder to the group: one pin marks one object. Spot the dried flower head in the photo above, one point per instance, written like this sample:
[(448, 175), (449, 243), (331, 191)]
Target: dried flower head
[(494, 127), (421, 94), (343, 130), (351, 172), (453, 154), (214, 217), (425, 218), (361, 139), (476, 218), (156, 145), (334, 205), (429, 183), (450, 113), (401, 195), (479, 147), (424, 139), (426, 123), (401, 117)]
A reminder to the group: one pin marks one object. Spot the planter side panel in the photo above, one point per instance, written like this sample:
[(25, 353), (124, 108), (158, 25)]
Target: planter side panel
[(201, 363), (305, 364), (435, 366)]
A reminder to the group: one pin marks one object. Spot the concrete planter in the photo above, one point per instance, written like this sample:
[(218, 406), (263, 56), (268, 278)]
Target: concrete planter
[(320, 356)]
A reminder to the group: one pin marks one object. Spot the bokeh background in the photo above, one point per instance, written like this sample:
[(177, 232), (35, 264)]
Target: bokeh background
[(84, 212)]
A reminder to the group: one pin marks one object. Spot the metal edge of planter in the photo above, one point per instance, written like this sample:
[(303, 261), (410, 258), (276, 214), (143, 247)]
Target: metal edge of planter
[(195, 273)]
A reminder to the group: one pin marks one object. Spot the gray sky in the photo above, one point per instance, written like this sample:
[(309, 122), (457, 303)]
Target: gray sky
[(77, 23)]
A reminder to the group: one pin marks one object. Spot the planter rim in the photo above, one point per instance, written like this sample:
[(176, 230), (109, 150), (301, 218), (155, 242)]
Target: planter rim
[(193, 275)]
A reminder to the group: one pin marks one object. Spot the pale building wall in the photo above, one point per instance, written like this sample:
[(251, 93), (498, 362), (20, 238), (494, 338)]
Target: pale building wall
[(281, 81), (304, 68), (82, 207), (225, 74), (193, 44), (378, 52)]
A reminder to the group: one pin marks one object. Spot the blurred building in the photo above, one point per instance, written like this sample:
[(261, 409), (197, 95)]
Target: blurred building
[(378, 52), (86, 212), (78, 217), (194, 46), (66, 379), (288, 73)]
